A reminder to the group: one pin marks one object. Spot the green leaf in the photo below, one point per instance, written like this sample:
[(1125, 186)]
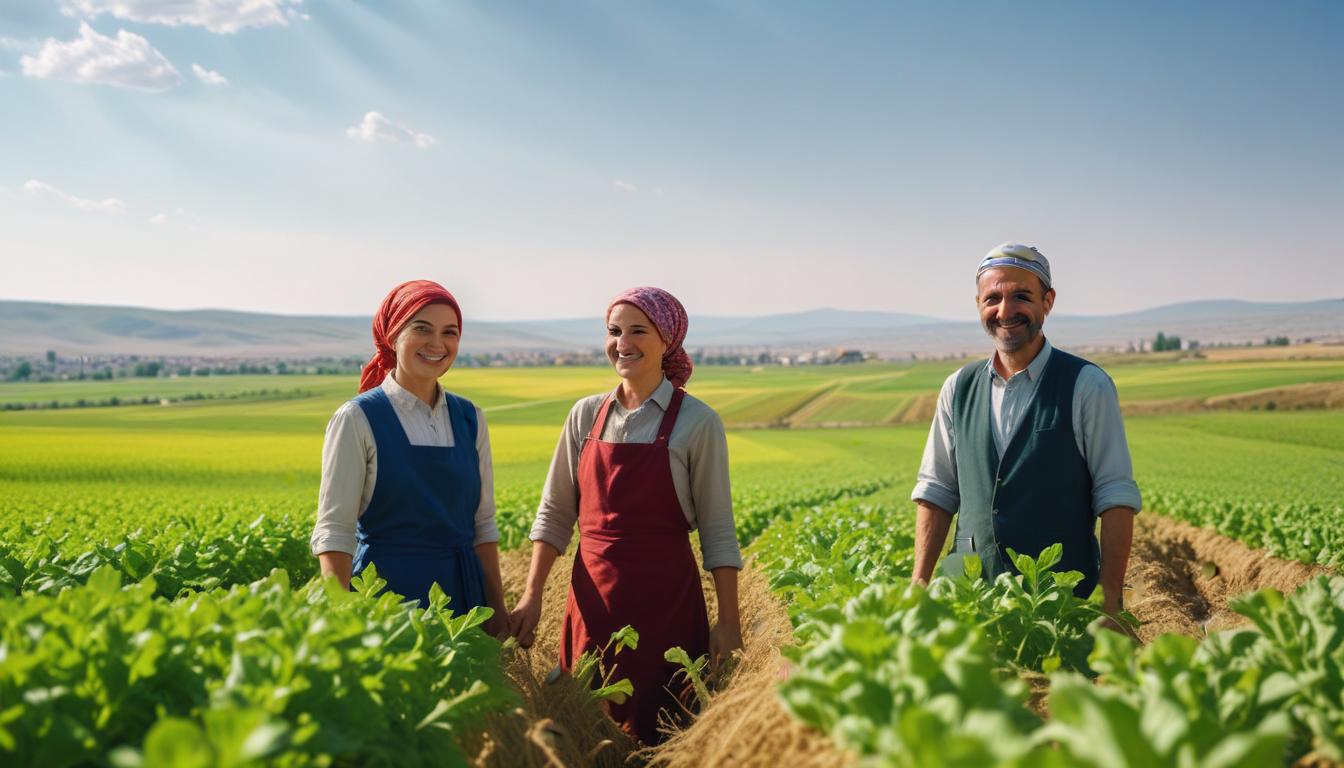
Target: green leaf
[(177, 743), (105, 581), (625, 637), (1026, 564), (617, 693), (972, 567), (691, 669), (1049, 557), (437, 599), (444, 707)]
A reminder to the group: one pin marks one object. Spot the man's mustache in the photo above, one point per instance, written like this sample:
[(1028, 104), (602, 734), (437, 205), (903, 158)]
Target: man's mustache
[(1012, 321)]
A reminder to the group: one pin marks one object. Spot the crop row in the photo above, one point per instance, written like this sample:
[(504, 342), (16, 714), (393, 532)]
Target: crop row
[(180, 553), (1311, 533), (904, 675), (311, 676)]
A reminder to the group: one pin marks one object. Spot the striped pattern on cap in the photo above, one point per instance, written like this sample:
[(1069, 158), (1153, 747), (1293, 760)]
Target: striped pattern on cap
[(1020, 256)]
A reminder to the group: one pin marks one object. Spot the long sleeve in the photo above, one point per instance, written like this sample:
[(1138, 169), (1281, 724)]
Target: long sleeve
[(1100, 432), (347, 454), (712, 495), (559, 508), (487, 530), (937, 481)]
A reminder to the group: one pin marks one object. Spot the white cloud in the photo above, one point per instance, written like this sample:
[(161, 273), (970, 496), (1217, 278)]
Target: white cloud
[(178, 216), (129, 61), (624, 185), (209, 76), (219, 16), (375, 127), (110, 205)]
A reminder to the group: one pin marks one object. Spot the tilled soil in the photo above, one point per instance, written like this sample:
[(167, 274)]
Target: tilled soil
[(1181, 577)]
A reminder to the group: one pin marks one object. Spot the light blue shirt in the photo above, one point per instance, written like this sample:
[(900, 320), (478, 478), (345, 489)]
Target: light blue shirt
[(1098, 430)]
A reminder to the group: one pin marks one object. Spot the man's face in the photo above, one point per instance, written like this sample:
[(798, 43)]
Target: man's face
[(1013, 305)]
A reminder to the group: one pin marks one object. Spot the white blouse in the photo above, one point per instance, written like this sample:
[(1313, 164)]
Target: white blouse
[(350, 466)]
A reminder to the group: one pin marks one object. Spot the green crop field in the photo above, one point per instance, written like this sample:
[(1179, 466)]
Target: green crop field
[(190, 505)]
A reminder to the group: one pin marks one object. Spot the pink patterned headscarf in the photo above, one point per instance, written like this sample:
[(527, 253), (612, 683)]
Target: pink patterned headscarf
[(669, 317)]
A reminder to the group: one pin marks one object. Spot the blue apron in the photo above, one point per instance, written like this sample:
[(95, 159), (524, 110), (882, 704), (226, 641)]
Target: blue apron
[(421, 521)]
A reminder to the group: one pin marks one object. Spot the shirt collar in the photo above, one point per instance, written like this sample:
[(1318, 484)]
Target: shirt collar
[(403, 397), (662, 396), (1034, 369)]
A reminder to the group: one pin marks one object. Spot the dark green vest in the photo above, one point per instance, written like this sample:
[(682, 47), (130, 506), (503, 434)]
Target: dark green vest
[(1038, 493)]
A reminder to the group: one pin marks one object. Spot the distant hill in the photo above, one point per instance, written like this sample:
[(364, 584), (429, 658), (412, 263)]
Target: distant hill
[(31, 328)]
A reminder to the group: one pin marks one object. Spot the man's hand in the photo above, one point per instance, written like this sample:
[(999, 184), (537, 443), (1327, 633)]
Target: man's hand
[(1117, 535)]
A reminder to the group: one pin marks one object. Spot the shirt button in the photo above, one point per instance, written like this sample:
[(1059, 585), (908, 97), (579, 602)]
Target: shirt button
[(996, 512)]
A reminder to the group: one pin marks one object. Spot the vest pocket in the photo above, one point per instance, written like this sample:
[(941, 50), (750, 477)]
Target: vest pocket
[(964, 544)]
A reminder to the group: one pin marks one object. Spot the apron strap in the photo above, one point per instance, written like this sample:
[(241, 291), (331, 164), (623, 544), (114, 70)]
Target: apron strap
[(601, 421), (670, 417)]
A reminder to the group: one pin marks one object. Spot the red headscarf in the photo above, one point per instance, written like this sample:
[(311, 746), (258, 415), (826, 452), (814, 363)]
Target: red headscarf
[(400, 305), (669, 317)]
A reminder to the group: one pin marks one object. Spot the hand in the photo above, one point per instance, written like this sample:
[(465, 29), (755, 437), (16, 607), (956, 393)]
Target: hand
[(1114, 620), (723, 640), (497, 626), (524, 619)]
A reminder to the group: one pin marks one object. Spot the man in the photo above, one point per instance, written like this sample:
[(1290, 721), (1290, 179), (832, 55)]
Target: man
[(1028, 448)]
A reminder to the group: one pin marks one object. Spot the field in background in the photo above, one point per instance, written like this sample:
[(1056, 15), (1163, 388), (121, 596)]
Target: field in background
[(251, 457)]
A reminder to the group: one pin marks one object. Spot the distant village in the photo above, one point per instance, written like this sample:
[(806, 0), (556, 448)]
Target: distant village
[(55, 366)]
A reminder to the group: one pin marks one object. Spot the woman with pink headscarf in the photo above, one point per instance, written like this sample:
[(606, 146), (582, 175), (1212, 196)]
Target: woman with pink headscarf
[(638, 468), (407, 479)]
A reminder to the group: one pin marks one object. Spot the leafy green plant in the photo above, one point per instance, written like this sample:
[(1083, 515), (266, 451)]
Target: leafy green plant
[(1032, 619), (320, 674), (1302, 648), (592, 673), (894, 675), (693, 670)]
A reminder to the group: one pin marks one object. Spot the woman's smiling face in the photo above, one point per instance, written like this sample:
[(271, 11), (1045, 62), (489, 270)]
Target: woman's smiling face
[(427, 345), (633, 343)]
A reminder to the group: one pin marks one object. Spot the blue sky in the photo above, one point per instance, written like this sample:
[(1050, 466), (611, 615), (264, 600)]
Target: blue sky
[(751, 157)]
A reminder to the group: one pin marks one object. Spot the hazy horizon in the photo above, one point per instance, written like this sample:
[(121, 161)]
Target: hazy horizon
[(947, 319), (304, 156)]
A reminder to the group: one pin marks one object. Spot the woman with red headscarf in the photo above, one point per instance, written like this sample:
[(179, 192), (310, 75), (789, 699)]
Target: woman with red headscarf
[(407, 479), (638, 468)]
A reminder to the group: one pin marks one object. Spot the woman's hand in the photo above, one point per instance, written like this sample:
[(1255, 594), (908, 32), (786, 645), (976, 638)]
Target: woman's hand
[(524, 619), (497, 626), (724, 638)]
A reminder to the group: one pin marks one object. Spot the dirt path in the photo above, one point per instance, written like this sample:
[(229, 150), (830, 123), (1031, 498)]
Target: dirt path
[(1180, 577), (744, 725)]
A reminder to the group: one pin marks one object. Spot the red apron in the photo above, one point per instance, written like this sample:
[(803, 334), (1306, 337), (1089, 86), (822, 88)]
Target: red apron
[(635, 566)]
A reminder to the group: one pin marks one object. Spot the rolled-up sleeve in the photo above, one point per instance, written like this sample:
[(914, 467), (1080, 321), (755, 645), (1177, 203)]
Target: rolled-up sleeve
[(559, 507), (712, 495), (937, 481), (1101, 436), (345, 466), (487, 530)]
